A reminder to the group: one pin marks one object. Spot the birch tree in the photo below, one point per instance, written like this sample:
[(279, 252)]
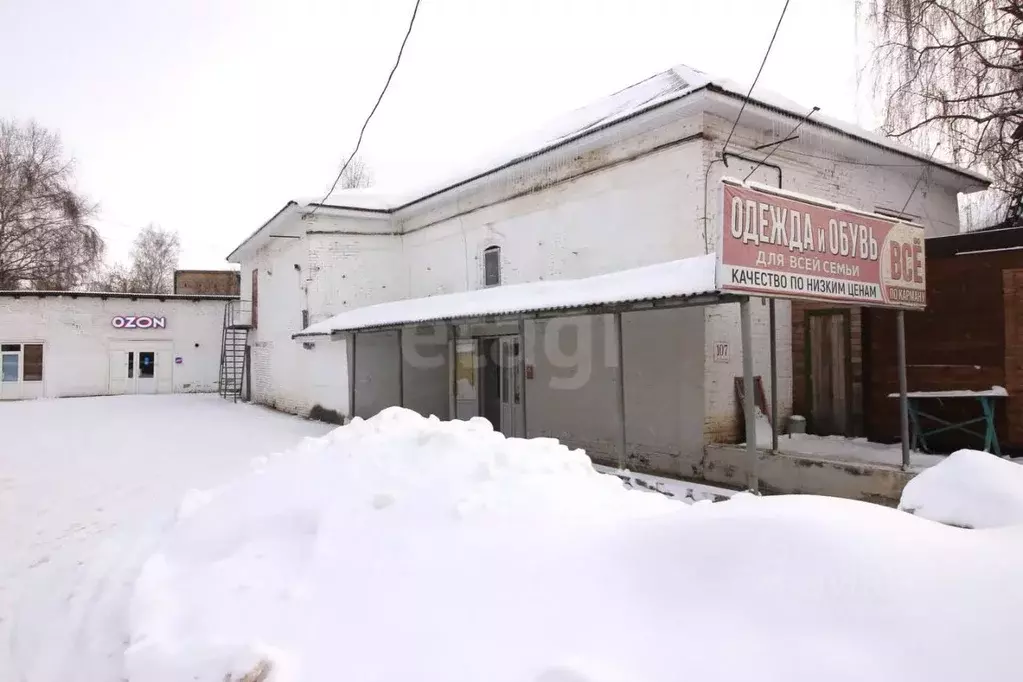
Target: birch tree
[(46, 239)]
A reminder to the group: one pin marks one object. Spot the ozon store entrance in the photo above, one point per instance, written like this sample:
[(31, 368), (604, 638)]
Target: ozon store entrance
[(141, 367)]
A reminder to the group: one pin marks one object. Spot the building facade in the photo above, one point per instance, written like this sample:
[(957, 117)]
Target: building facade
[(630, 181), (66, 344)]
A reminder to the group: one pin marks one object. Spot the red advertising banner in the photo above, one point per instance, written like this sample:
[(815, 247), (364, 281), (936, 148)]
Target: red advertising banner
[(787, 246)]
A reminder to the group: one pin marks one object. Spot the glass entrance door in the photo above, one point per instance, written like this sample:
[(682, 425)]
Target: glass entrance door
[(146, 380), (133, 371)]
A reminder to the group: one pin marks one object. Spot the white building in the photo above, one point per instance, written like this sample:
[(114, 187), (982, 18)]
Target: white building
[(629, 181), (62, 344)]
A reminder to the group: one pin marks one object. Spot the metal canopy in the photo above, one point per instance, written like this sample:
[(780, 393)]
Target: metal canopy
[(550, 313), (687, 281)]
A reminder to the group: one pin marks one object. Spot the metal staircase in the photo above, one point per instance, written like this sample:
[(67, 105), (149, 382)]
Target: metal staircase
[(233, 356)]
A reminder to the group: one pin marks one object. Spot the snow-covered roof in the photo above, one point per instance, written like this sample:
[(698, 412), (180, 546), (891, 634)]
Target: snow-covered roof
[(667, 86), (677, 279)]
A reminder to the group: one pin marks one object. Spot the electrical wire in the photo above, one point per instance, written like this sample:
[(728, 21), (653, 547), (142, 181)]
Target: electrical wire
[(759, 71), (790, 136), (358, 142)]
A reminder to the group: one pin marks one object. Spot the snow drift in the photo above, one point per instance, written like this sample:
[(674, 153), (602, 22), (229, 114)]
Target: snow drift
[(969, 488), (402, 548)]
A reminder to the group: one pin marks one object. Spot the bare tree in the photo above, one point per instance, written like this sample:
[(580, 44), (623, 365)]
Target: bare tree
[(357, 174), (951, 71), (46, 240), (154, 256), (115, 278)]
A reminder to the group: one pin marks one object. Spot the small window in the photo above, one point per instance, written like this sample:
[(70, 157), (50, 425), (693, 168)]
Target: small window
[(131, 365), (33, 362), (12, 347), (147, 363), (9, 363), (255, 297), (492, 266), (305, 319)]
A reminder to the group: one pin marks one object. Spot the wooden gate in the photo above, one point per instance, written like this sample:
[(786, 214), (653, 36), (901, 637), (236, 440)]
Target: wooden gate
[(828, 348)]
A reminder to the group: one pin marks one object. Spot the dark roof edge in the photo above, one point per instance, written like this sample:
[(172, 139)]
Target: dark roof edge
[(29, 293)]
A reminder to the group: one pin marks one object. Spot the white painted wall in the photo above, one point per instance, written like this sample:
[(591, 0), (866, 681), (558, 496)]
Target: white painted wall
[(77, 335)]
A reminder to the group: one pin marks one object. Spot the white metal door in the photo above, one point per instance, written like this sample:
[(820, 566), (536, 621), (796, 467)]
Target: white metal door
[(119, 381), (164, 372), (511, 387), (145, 371)]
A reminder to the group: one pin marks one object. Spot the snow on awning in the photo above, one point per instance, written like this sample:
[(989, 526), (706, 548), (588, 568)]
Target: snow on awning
[(677, 280)]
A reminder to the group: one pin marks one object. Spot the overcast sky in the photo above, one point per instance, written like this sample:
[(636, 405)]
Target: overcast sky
[(206, 116)]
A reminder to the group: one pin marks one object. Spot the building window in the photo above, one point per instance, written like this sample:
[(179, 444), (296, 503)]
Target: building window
[(492, 266), (255, 296), (305, 319), (9, 367), (21, 362), (147, 364), (33, 362)]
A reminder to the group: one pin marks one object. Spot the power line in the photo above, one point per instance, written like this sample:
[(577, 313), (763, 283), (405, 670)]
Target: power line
[(790, 136), (358, 143), (759, 71)]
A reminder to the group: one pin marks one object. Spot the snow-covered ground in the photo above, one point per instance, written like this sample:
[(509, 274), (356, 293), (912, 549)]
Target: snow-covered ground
[(149, 546), (402, 548), (840, 448), (970, 489), (84, 486)]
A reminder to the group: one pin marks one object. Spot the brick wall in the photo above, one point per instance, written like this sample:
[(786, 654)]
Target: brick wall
[(207, 282)]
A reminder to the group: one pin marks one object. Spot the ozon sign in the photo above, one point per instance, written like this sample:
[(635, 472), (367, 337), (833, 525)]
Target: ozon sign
[(139, 322), (778, 244)]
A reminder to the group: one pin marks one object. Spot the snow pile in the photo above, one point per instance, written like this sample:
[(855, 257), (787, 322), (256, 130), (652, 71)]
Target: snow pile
[(401, 548), (971, 489)]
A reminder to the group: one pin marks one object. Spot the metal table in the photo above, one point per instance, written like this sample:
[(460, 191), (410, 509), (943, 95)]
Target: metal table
[(987, 405)]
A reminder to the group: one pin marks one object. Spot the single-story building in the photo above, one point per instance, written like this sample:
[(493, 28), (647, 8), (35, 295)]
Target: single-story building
[(633, 180), (56, 344)]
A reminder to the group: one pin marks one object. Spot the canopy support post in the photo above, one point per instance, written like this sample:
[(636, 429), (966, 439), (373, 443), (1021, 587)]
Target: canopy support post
[(774, 376), (401, 367), (620, 391), (900, 332), (351, 376), (453, 361), (746, 328), (522, 375)]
